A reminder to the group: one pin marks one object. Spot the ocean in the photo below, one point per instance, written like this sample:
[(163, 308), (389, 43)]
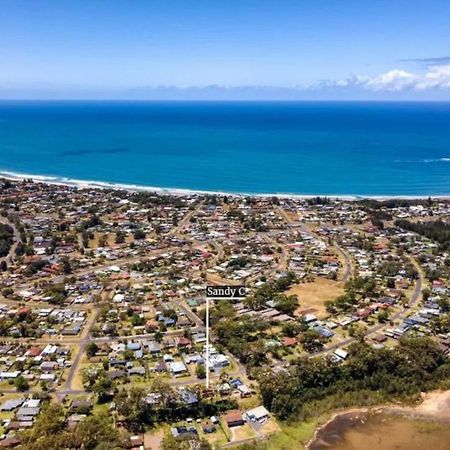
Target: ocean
[(303, 148)]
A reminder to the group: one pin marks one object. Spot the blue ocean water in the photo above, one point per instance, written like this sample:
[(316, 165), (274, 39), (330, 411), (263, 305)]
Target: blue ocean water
[(333, 148)]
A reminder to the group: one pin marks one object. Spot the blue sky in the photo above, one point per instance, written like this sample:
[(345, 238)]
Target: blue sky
[(351, 49)]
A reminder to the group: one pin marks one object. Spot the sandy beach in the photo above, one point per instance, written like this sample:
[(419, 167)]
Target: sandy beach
[(435, 404), (91, 184)]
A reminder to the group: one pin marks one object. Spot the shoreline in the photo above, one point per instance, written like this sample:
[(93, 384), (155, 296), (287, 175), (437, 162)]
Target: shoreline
[(435, 406), (92, 184)]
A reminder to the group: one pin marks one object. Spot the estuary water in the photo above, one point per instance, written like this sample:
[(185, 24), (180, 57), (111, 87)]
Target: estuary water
[(382, 431)]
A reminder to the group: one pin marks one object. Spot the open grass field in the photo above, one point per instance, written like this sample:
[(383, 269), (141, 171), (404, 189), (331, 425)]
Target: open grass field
[(294, 436), (243, 432), (77, 382), (313, 295), (216, 439), (270, 427)]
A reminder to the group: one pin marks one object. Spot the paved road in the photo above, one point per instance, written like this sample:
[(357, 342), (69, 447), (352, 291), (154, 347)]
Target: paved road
[(282, 264), (93, 269), (176, 231), (372, 330), (118, 262), (16, 239), (84, 339), (190, 314), (347, 274), (81, 349), (348, 269)]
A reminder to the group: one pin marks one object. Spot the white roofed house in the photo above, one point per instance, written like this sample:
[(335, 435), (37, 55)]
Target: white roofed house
[(47, 377), (340, 353), (48, 366), (9, 375), (258, 414), (177, 367), (244, 390), (218, 360), (49, 349)]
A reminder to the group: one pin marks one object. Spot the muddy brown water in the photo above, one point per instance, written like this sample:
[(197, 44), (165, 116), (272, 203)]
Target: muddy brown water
[(383, 430)]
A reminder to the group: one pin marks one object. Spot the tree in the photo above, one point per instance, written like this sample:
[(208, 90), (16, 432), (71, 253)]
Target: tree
[(291, 329), (139, 234), (104, 388), (309, 387), (21, 384), (47, 431), (426, 293), (6, 239), (185, 443), (286, 304), (390, 283), (137, 320), (383, 316), (357, 332), (441, 324), (102, 242), (51, 432), (57, 293), (95, 432), (120, 237), (312, 341), (67, 268), (200, 371), (85, 239), (91, 349), (133, 407), (89, 376), (444, 304)]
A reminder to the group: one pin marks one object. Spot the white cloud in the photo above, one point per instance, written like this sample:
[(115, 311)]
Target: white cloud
[(435, 77), (394, 80)]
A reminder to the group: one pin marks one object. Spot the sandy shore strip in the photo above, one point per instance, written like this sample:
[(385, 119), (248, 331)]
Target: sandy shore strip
[(435, 405), (88, 184)]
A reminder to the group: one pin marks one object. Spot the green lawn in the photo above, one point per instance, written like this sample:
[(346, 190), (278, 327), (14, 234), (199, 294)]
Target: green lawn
[(100, 408), (294, 436)]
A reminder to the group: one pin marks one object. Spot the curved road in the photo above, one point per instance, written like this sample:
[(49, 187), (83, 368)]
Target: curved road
[(16, 239), (370, 331)]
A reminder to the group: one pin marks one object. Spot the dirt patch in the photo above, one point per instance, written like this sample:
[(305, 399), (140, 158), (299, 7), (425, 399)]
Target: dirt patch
[(153, 440), (312, 296), (436, 404), (242, 433)]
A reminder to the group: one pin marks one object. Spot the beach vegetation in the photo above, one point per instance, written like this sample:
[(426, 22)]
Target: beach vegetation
[(311, 387), (436, 230)]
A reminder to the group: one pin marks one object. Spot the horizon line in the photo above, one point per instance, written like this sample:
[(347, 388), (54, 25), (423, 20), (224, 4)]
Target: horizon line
[(223, 100)]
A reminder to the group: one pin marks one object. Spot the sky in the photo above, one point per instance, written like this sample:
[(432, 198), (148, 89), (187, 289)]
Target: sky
[(225, 49)]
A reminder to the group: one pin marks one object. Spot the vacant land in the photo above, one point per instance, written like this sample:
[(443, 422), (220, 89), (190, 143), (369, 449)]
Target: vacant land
[(436, 404), (312, 296), (241, 433), (153, 439), (295, 436)]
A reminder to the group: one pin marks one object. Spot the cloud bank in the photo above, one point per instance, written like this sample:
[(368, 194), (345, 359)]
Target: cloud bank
[(431, 81), (436, 77)]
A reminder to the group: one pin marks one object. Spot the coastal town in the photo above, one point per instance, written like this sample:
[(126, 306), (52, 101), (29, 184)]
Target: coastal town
[(103, 311)]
